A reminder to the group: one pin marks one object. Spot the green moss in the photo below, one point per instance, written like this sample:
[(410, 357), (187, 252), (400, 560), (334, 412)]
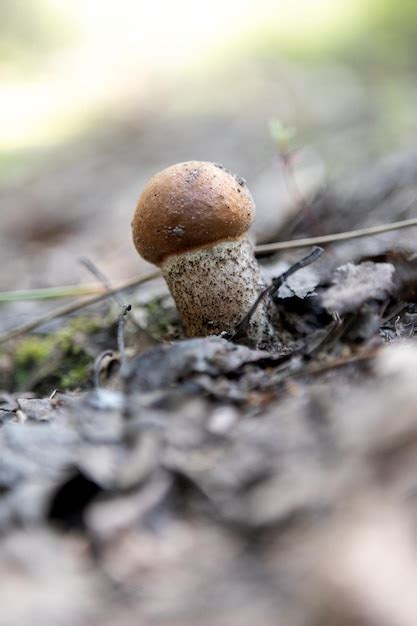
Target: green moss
[(33, 350), (60, 360), (85, 324)]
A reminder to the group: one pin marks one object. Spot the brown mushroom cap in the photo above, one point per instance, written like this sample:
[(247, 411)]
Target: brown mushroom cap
[(188, 206)]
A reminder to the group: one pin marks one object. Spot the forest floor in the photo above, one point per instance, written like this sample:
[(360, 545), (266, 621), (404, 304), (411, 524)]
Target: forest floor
[(175, 481)]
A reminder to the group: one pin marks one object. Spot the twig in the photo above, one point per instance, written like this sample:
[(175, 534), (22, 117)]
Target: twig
[(97, 366), (286, 373), (365, 355), (90, 289), (51, 293), (73, 290), (124, 309), (260, 249), (121, 335), (329, 334), (306, 260), (91, 267), (74, 307), (276, 283), (345, 236)]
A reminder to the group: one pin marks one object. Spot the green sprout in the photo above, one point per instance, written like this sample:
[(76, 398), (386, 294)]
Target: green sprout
[(282, 135)]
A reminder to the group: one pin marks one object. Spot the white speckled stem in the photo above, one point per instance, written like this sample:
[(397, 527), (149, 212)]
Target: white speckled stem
[(214, 288)]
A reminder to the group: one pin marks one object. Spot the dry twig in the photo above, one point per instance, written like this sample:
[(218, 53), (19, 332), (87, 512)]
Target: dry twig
[(345, 236), (73, 307), (260, 249)]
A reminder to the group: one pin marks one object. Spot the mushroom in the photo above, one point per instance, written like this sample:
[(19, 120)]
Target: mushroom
[(191, 221)]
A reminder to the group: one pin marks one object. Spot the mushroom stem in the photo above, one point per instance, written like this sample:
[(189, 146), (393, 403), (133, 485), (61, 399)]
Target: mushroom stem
[(192, 221), (213, 287)]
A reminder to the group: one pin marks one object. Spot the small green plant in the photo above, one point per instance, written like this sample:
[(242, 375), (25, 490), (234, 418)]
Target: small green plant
[(283, 136)]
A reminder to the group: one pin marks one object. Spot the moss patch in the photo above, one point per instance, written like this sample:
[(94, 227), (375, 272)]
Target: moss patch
[(60, 360)]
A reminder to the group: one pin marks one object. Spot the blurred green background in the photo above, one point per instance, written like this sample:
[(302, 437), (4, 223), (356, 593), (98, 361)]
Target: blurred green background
[(65, 65)]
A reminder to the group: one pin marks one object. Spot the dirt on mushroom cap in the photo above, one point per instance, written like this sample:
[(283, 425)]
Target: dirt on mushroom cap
[(190, 205)]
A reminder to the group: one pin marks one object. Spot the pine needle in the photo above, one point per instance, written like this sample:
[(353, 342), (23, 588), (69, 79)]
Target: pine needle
[(73, 307), (65, 292), (350, 234)]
